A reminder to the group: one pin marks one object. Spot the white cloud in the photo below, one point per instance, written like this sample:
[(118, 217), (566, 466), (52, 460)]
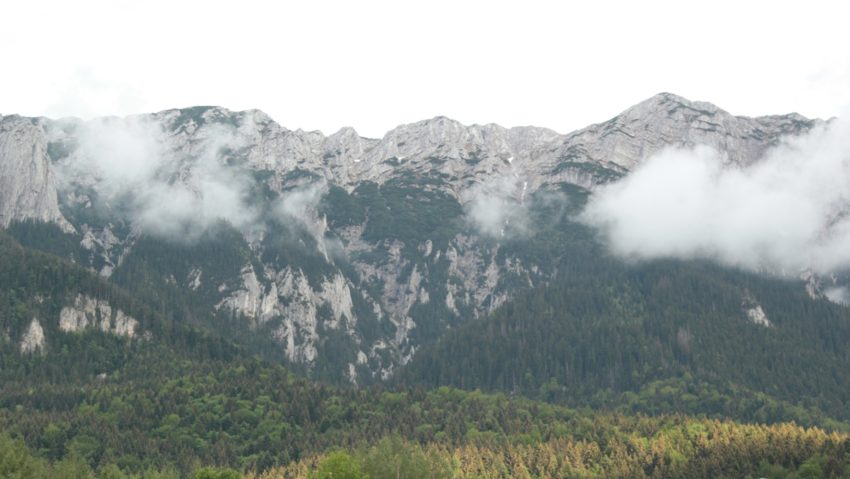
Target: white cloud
[(300, 205), (84, 94), (169, 194), (838, 294), (497, 208), (298, 210), (123, 152), (786, 212)]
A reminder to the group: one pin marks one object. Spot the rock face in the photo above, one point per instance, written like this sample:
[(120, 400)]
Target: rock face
[(667, 119), (352, 248), (89, 312), (27, 181), (754, 312), (756, 316), (33, 339)]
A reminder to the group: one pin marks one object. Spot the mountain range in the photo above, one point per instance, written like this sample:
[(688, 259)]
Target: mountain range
[(343, 253), (206, 287)]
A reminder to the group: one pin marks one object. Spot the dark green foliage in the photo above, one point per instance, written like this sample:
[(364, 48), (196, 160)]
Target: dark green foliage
[(587, 340), (157, 265), (187, 399), (341, 208), (599, 173), (293, 246), (654, 338), (300, 176), (97, 212), (554, 241), (184, 398), (49, 238), (194, 114), (38, 285), (399, 209)]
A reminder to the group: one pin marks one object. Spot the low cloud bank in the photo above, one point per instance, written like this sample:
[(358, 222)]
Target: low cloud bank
[(787, 212), (175, 194)]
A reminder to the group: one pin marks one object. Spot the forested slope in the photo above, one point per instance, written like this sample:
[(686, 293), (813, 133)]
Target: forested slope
[(93, 403), (658, 337)]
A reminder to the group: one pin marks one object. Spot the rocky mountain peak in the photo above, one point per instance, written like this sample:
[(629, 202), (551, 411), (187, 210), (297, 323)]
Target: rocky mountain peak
[(345, 148), (672, 107), (670, 120), (461, 155), (439, 135)]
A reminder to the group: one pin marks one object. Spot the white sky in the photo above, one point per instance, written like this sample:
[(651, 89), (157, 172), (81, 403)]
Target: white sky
[(374, 65)]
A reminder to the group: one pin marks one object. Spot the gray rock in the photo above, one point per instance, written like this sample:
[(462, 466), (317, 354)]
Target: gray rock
[(27, 180)]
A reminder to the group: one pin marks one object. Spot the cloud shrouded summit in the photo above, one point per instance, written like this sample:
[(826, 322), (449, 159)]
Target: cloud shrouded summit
[(127, 161), (787, 212)]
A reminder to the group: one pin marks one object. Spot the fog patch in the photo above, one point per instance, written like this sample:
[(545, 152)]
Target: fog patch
[(498, 208), (335, 249), (300, 205), (166, 193), (787, 212), (298, 210), (120, 155), (838, 295)]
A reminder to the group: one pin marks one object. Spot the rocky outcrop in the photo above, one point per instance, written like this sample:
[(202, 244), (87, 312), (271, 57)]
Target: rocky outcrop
[(337, 294), (252, 300), (103, 242), (88, 312), (298, 330), (27, 181), (32, 340), (831, 287), (756, 316), (287, 298), (754, 312), (194, 279), (669, 120)]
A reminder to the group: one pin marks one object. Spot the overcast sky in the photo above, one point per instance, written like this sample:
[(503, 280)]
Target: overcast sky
[(374, 65)]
